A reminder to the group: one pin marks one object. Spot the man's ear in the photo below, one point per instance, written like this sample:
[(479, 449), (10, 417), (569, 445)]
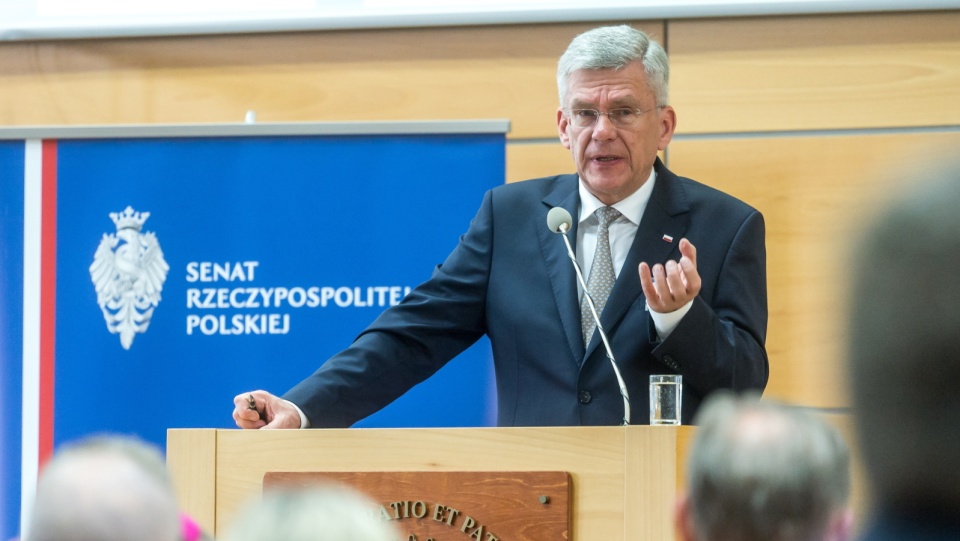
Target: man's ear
[(683, 520), (562, 125), (668, 124), (841, 526)]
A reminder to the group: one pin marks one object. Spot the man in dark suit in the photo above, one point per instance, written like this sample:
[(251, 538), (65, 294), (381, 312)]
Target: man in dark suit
[(676, 269)]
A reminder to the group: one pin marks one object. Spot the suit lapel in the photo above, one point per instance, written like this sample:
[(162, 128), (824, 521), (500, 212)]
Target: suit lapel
[(563, 278), (666, 214)]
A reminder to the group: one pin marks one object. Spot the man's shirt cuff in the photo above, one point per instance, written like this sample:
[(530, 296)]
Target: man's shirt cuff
[(304, 422), (666, 323)]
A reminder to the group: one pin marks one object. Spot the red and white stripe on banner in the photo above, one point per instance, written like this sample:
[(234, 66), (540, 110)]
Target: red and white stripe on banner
[(39, 311)]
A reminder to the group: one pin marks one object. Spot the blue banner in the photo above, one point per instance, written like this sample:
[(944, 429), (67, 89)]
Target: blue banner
[(277, 252), (11, 332), (186, 270)]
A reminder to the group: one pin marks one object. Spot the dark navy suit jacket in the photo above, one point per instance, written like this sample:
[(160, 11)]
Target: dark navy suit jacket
[(510, 278), (913, 525)]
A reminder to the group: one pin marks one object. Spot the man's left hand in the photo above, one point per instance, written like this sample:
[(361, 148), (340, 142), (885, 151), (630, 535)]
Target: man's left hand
[(668, 287)]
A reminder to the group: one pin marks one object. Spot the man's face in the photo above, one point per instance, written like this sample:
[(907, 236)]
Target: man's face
[(614, 162)]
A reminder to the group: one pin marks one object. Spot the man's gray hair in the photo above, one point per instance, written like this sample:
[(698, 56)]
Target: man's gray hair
[(105, 488), (615, 47), (764, 471), (905, 343)]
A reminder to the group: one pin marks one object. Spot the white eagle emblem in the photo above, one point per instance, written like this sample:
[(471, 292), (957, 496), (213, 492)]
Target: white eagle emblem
[(128, 272)]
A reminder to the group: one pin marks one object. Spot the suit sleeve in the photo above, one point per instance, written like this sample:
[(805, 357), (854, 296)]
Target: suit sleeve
[(408, 342), (719, 343)]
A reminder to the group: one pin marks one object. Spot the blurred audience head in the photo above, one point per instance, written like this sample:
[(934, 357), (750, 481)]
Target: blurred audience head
[(319, 513), (904, 346), (764, 471), (104, 488)]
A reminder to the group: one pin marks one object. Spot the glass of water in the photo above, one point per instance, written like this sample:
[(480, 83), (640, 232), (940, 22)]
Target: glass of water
[(666, 392)]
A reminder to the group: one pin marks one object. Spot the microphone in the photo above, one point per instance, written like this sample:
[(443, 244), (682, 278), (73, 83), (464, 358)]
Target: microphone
[(560, 221)]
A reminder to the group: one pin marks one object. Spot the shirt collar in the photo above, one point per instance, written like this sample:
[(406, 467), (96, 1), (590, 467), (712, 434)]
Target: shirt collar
[(631, 207)]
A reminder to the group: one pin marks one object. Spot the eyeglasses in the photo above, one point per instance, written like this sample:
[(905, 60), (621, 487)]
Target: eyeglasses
[(623, 117)]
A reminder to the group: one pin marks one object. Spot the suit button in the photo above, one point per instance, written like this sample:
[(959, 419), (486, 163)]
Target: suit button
[(668, 360), (585, 397)]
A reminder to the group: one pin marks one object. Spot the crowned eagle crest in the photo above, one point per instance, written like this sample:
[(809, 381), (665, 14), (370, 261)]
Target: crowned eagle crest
[(128, 272)]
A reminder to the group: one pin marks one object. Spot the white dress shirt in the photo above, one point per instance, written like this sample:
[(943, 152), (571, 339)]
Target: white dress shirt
[(622, 232)]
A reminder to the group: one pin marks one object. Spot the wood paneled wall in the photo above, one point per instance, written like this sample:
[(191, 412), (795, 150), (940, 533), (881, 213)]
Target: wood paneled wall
[(427, 73), (759, 102), (811, 73)]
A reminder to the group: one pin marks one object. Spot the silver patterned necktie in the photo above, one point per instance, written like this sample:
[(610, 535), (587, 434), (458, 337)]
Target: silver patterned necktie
[(602, 276)]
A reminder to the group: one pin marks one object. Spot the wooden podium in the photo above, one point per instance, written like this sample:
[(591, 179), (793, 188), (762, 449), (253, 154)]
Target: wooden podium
[(624, 480)]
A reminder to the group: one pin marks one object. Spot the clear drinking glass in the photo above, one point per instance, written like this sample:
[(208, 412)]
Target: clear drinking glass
[(666, 391)]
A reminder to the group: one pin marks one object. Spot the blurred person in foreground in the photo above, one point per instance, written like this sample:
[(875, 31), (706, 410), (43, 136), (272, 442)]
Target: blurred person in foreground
[(904, 355), (319, 513), (764, 471), (677, 270), (105, 488)]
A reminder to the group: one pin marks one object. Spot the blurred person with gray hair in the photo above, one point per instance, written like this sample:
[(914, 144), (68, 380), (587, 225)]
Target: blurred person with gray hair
[(318, 513), (904, 352), (105, 488), (764, 471)]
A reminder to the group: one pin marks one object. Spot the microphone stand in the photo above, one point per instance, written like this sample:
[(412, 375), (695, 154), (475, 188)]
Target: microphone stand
[(562, 229)]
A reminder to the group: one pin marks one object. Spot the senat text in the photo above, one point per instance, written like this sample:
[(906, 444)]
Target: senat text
[(208, 271)]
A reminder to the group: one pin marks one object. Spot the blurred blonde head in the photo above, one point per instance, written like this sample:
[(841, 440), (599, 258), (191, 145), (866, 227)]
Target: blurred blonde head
[(320, 513), (105, 488)]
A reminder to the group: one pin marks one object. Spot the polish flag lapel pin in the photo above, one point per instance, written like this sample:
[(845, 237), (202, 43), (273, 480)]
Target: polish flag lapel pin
[(667, 238)]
